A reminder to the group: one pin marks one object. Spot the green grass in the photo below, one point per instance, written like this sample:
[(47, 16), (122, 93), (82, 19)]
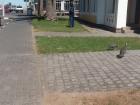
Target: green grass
[(60, 25), (82, 44)]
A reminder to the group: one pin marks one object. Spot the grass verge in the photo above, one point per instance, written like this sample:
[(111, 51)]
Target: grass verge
[(60, 25), (82, 44)]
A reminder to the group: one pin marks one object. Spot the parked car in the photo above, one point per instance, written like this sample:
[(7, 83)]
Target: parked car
[(19, 9), (13, 8)]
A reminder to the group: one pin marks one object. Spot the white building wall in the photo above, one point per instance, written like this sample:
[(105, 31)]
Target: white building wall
[(110, 13), (62, 5), (121, 17)]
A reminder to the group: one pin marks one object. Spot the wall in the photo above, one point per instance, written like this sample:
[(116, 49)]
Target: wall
[(89, 13), (100, 11), (121, 13), (116, 19), (89, 18)]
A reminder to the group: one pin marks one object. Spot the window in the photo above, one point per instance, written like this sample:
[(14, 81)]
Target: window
[(58, 5), (76, 4), (67, 5)]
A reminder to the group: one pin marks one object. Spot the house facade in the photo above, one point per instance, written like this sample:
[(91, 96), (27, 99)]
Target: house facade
[(2, 10), (64, 5), (61, 6), (116, 14)]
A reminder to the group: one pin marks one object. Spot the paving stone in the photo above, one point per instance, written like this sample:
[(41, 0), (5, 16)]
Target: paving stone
[(94, 71)]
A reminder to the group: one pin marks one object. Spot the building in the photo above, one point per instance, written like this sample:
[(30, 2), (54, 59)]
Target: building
[(64, 5), (2, 10), (115, 14)]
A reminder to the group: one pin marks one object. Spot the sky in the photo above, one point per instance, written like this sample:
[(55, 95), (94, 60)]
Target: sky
[(14, 2)]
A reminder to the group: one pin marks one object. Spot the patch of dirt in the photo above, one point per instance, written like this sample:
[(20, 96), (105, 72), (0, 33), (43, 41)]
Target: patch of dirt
[(35, 30), (131, 97)]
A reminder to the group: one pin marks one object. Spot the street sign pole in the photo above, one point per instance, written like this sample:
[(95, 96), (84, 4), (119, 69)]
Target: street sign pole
[(1, 13), (3, 10)]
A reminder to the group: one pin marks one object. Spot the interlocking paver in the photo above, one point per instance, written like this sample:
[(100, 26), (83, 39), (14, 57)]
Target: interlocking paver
[(92, 71)]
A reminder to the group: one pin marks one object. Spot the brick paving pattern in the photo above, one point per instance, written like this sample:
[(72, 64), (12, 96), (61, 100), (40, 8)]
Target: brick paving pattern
[(99, 71)]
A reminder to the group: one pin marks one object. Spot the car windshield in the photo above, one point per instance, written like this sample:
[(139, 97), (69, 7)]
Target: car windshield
[(19, 6)]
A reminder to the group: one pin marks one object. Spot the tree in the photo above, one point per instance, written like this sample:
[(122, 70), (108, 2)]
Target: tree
[(51, 9), (40, 7)]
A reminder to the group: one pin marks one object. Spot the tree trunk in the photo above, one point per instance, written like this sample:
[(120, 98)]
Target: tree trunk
[(40, 7), (51, 10)]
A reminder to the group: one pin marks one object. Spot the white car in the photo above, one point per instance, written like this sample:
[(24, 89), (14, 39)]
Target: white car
[(19, 9)]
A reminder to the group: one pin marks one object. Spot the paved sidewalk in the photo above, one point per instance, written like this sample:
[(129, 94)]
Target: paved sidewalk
[(93, 71), (20, 82), (16, 38)]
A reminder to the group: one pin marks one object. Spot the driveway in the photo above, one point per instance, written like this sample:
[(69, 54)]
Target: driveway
[(19, 66)]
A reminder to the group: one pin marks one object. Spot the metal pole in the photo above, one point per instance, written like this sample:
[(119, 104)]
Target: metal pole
[(3, 9), (26, 8)]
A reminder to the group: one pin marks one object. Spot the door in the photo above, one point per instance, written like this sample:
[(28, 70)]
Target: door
[(137, 12), (131, 12)]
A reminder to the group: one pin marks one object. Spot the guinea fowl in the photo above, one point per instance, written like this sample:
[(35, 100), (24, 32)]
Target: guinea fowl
[(122, 51), (112, 46)]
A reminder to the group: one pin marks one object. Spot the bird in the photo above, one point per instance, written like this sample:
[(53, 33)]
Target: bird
[(122, 51), (112, 46)]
